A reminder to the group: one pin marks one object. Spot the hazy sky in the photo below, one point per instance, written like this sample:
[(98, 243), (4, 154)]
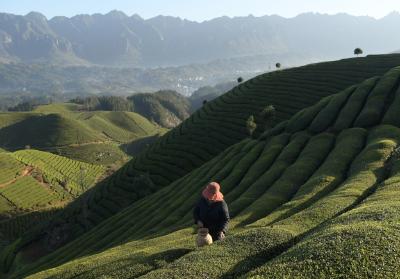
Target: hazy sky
[(201, 9)]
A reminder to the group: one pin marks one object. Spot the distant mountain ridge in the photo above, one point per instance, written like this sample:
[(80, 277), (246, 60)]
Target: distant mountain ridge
[(115, 39)]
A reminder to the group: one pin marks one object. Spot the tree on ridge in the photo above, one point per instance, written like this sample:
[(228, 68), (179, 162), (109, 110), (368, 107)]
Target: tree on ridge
[(358, 51)]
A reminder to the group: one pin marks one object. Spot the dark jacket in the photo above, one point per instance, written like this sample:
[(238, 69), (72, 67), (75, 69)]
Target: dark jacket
[(214, 215)]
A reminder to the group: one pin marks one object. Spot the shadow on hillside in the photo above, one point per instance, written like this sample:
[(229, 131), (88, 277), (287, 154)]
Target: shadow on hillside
[(145, 264), (14, 137), (257, 260), (137, 146)]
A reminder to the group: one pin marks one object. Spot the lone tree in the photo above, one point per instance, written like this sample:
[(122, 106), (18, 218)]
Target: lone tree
[(358, 51), (266, 120), (267, 117), (251, 125), (278, 65), (204, 102), (240, 80)]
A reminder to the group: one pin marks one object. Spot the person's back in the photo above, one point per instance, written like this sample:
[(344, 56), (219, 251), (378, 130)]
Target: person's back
[(212, 212)]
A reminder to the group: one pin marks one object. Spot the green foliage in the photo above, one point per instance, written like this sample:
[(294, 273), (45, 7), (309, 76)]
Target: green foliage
[(354, 105), (392, 115), (303, 118), (358, 51), (374, 108), (105, 103), (327, 116), (329, 175), (360, 243), (265, 119)]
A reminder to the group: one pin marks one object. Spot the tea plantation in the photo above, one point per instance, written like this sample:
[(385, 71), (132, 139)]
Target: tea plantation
[(34, 184), (33, 179), (222, 123), (317, 196)]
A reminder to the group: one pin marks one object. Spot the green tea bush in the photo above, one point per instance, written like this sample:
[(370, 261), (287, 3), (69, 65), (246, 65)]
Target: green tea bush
[(373, 109), (355, 104)]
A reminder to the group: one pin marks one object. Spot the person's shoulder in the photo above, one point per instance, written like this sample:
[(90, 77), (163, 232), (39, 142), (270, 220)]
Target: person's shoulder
[(223, 203), (202, 200)]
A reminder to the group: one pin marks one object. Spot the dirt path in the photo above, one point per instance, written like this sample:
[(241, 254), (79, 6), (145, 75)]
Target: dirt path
[(25, 172), (85, 143)]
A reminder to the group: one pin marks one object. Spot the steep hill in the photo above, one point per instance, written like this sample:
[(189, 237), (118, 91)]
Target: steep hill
[(167, 108), (220, 124), (217, 126), (315, 197), (41, 131)]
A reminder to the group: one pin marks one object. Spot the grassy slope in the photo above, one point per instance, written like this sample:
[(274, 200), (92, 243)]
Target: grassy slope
[(300, 195), (118, 126), (43, 131), (221, 123), (62, 129), (57, 108)]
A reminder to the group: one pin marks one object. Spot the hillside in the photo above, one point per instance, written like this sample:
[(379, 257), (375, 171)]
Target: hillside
[(300, 195), (93, 137), (218, 125), (167, 108), (41, 131), (33, 184)]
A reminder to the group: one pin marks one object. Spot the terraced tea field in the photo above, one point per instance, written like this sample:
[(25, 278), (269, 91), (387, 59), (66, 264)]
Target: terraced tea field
[(34, 183), (26, 193), (15, 227), (63, 173), (222, 123), (10, 168), (33, 178), (315, 197)]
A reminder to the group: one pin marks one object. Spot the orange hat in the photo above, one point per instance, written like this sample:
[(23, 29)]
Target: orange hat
[(212, 192)]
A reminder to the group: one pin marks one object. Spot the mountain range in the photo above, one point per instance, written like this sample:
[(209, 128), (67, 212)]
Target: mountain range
[(115, 39)]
